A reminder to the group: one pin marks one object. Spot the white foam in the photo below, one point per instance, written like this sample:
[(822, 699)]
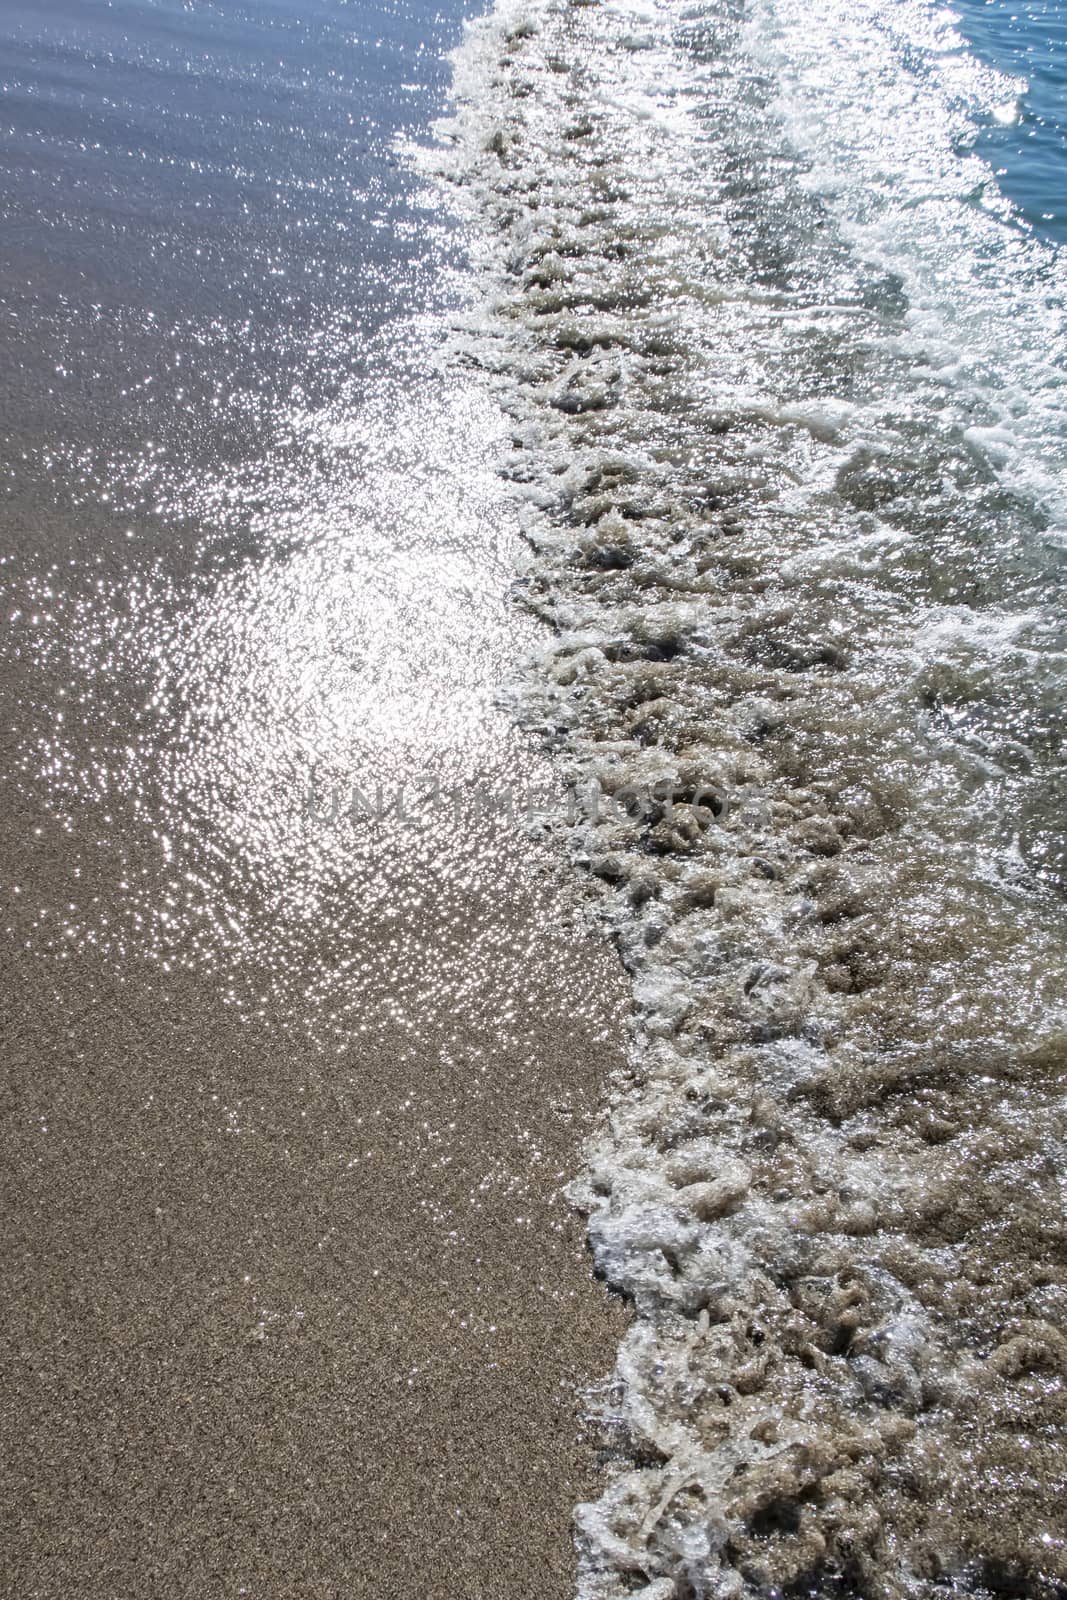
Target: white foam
[(884, 100), (737, 476)]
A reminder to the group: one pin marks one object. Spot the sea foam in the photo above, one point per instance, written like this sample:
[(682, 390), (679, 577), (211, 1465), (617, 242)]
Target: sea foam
[(779, 564)]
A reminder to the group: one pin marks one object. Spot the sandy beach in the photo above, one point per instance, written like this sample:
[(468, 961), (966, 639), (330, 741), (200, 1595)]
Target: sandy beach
[(332, 1354), (292, 1303)]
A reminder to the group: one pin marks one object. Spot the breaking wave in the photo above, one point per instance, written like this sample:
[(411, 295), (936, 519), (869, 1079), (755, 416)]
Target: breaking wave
[(784, 377)]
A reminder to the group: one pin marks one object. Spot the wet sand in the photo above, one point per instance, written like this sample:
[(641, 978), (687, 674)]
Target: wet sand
[(292, 1304), (334, 1353)]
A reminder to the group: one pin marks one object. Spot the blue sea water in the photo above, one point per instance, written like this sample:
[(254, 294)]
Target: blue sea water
[(1027, 39), (894, 111)]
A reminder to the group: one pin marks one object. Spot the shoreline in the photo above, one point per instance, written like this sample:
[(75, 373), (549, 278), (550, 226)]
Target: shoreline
[(294, 1304), (828, 1180), (283, 1322)]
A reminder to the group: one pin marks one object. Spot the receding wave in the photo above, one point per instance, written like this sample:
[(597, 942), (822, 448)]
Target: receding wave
[(787, 473)]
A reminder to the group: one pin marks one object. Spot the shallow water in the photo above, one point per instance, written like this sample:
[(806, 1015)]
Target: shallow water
[(785, 374), (294, 1304), (1026, 139)]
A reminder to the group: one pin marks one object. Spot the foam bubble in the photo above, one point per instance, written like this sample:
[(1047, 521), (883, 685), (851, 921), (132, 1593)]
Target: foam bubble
[(757, 464)]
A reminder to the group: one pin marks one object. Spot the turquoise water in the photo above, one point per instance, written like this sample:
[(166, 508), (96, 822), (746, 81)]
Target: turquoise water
[(1027, 40)]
